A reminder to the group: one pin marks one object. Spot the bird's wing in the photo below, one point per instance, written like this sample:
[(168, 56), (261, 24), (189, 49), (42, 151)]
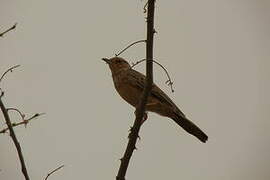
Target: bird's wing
[(137, 80)]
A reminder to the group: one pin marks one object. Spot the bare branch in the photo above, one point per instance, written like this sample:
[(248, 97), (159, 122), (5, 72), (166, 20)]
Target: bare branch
[(14, 139), (140, 110), (168, 82), (53, 171), (140, 41), (9, 70), (23, 122), (6, 31), (18, 111)]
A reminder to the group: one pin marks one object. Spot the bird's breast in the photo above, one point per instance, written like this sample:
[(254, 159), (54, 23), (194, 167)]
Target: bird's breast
[(126, 90)]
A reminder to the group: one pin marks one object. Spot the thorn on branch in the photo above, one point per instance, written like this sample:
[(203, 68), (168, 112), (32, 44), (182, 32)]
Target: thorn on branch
[(129, 135), (130, 129), (145, 7)]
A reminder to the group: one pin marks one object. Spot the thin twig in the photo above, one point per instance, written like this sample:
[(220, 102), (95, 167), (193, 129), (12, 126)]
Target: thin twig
[(9, 70), (140, 41), (53, 171), (6, 31), (23, 122), (14, 139), (140, 110), (18, 111), (168, 82)]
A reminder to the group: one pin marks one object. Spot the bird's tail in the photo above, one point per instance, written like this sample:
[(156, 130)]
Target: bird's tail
[(190, 127)]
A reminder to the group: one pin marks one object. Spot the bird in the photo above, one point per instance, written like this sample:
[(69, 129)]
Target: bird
[(130, 83)]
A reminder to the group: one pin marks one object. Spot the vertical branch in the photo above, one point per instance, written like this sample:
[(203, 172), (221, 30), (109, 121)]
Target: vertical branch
[(14, 139), (140, 110)]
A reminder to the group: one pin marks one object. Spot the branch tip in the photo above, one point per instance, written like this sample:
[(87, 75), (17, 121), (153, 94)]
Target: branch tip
[(140, 41), (9, 70), (53, 171), (145, 7), (6, 31)]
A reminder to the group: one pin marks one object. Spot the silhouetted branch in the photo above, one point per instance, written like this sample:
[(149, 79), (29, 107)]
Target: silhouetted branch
[(140, 110), (14, 139), (53, 171), (10, 127), (23, 122), (168, 82), (6, 31), (9, 70), (140, 41), (18, 111)]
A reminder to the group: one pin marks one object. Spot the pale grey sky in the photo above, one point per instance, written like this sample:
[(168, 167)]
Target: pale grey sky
[(217, 53)]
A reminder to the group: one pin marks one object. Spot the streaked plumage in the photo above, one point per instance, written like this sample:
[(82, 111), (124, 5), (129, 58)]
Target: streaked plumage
[(130, 84)]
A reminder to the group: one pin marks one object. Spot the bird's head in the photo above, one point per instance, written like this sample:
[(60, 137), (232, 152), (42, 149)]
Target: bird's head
[(117, 64)]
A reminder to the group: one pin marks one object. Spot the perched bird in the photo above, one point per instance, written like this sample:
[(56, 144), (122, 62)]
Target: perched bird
[(130, 84)]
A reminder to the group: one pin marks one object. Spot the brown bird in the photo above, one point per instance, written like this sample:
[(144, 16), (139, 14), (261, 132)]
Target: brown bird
[(130, 84)]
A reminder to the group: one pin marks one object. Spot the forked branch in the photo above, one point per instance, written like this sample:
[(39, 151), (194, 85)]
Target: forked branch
[(14, 139), (22, 122)]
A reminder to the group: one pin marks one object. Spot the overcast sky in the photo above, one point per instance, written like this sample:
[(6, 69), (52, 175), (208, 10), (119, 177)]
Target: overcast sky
[(217, 53)]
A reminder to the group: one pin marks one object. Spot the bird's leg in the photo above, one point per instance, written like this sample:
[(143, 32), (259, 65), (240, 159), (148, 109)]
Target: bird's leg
[(148, 106), (145, 116)]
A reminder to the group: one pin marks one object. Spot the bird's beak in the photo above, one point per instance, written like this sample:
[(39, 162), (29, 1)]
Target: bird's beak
[(106, 60)]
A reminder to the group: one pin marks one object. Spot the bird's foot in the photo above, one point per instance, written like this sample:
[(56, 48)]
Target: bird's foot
[(130, 133), (145, 117)]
